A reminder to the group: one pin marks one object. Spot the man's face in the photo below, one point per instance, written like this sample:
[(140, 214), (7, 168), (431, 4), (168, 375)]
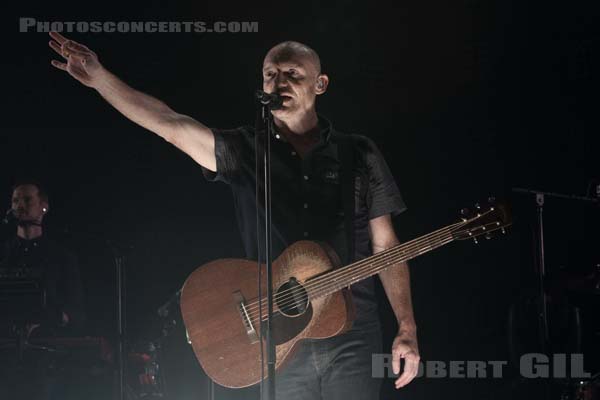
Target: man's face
[(26, 203), (294, 77)]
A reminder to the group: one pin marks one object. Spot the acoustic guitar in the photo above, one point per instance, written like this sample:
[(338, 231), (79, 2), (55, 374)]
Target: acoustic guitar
[(223, 315)]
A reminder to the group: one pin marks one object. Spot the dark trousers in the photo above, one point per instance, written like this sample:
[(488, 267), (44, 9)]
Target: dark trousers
[(338, 368)]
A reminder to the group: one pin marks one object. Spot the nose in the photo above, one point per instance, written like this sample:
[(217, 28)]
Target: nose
[(280, 81), (18, 205)]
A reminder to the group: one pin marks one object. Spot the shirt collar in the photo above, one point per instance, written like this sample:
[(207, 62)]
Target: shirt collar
[(325, 131), (21, 243)]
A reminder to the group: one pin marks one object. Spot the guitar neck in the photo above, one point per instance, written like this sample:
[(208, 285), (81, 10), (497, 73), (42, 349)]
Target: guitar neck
[(335, 280)]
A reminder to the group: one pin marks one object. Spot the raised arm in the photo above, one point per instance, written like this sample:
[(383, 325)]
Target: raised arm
[(189, 135)]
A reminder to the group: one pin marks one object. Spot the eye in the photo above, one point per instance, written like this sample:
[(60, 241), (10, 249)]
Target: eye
[(269, 74)]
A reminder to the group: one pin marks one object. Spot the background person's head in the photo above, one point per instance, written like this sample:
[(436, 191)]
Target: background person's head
[(29, 201)]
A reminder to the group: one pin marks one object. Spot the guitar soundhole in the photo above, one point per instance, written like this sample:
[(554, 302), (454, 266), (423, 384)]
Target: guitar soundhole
[(291, 298)]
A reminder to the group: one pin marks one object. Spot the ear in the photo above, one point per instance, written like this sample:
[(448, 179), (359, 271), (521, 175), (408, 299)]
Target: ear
[(321, 84)]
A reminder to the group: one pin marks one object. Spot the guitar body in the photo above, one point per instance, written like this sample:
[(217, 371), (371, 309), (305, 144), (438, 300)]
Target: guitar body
[(219, 301), (219, 305)]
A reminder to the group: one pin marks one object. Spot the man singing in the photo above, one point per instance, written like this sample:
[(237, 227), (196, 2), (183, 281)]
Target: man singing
[(307, 204)]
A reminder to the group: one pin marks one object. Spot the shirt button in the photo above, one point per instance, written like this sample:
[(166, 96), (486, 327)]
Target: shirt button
[(305, 205), (305, 234), (305, 177)]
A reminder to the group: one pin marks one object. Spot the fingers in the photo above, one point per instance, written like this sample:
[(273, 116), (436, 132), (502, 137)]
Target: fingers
[(77, 46), (69, 49), (58, 37), (396, 355), (59, 65), (66, 47), (411, 369), (65, 50), (56, 47)]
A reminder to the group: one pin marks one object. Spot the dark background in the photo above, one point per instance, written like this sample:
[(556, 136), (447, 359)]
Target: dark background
[(466, 99)]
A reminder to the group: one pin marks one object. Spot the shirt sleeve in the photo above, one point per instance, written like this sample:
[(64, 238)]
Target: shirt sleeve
[(383, 195), (228, 151)]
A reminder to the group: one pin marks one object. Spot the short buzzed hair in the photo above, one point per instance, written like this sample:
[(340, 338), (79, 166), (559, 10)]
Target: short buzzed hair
[(42, 193), (285, 50)]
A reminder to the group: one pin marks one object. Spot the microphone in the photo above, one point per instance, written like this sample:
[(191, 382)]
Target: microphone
[(9, 216), (271, 100)]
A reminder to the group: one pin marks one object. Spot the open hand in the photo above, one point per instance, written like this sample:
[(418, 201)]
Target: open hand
[(81, 62)]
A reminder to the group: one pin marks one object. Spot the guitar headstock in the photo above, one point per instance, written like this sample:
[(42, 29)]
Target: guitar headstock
[(483, 220)]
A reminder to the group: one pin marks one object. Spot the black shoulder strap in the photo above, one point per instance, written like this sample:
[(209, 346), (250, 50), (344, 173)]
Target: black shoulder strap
[(346, 148)]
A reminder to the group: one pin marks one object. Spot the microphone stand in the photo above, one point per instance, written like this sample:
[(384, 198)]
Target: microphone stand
[(121, 318), (543, 299), (267, 103)]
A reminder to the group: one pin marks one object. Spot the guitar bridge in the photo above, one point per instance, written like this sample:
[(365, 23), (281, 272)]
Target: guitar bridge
[(246, 319)]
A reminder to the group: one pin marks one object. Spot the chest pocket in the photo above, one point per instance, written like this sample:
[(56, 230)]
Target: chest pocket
[(327, 171), (326, 188), (330, 176)]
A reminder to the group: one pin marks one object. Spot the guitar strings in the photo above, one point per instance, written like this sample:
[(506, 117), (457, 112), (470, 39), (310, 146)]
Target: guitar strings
[(363, 265), (359, 266), (368, 267), (408, 246), (328, 287), (325, 281), (315, 288)]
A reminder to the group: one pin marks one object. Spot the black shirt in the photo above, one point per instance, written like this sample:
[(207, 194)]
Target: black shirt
[(56, 270), (307, 196)]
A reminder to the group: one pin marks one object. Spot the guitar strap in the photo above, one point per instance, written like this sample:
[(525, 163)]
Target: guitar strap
[(346, 147)]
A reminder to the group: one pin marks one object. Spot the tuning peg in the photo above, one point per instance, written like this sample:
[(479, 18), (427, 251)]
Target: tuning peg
[(491, 200), (477, 206), (488, 236), (503, 231), (475, 240)]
